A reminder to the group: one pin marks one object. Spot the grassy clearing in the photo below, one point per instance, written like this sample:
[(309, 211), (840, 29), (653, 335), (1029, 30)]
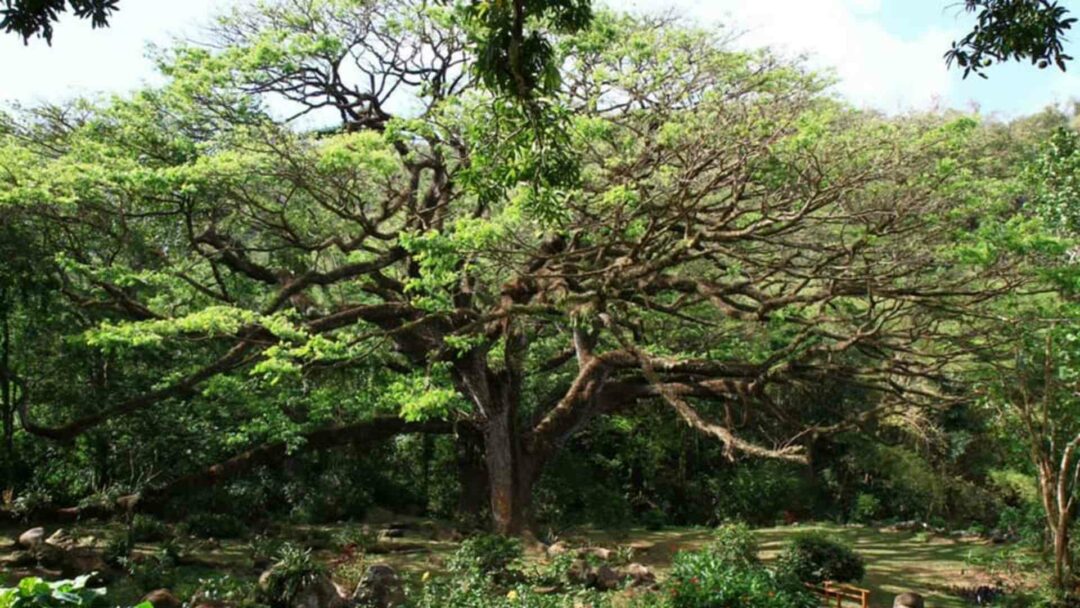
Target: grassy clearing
[(896, 561)]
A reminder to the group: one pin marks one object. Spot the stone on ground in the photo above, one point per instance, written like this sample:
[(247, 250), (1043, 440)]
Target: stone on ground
[(32, 537), (607, 578), (380, 588), (909, 600), (640, 575), (162, 598)]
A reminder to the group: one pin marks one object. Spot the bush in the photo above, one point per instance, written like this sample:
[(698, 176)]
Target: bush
[(294, 570), (216, 525), (225, 590), (477, 592), (155, 572), (338, 498), (30, 502), (814, 558), (486, 554), (867, 508), (718, 578), (358, 537), (263, 549), (145, 529), (118, 549), (735, 544), (758, 492)]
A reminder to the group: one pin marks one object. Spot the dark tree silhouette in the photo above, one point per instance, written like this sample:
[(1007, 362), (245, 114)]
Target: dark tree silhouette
[(30, 18), (1012, 30)]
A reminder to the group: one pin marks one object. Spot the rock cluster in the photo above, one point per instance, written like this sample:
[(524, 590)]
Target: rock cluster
[(604, 577), (380, 587)]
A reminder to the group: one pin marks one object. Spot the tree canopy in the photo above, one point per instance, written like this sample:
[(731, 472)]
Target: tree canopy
[(710, 232)]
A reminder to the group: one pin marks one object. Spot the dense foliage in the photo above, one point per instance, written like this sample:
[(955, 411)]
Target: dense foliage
[(333, 267), (815, 558), (727, 574)]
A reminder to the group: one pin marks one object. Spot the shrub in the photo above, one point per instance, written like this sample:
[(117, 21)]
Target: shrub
[(867, 508), (339, 498), (735, 544), (653, 519), (295, 569), (814, 557), (263, 549), (758, 492), (118, 549), (486, 554), (145, 528), (556, 572), (102, 500), (359, 537), (477, 592), (225, 590), (154, 572), (717, 578), (31, 501), (350, 572), (216, 525)]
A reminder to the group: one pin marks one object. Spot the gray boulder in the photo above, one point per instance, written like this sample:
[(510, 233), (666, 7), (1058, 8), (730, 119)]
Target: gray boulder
[(318, 593), (32, 538), (909, 600), (580, 573), (61, 540), (557, 549), (380, 588), (597, 552), (322, 593), (162, 598), (640, 575), (607, 578)]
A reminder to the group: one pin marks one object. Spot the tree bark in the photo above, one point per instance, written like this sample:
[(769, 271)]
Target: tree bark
[(6, 397), (1061, 553), (510, 475)]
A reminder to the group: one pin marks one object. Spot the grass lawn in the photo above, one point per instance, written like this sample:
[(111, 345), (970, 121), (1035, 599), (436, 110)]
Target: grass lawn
[(895, 561)]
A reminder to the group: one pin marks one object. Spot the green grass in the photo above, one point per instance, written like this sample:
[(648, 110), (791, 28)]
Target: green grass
[(896, 561)]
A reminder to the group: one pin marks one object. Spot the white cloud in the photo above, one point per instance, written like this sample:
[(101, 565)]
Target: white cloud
[(874, 67)]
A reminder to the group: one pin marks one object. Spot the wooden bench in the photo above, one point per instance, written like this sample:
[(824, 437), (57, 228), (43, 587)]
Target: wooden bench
[(840, 595)]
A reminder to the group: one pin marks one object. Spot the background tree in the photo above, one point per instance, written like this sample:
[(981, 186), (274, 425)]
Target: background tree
[(29, 18)]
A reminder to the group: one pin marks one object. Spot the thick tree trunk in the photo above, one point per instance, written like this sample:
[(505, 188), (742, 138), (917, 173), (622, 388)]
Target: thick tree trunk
[(510, 475)]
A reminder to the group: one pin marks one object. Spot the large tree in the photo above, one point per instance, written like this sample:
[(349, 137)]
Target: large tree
[(687, 225)]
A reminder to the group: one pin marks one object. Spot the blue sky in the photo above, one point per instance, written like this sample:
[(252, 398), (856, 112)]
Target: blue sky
[(885, 53), (1012, 88)]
